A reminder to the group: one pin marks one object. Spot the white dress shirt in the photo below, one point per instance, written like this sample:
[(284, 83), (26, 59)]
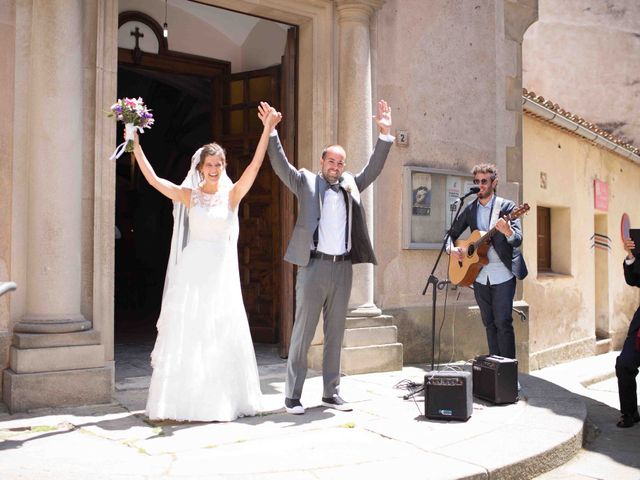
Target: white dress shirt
[(332, 227)]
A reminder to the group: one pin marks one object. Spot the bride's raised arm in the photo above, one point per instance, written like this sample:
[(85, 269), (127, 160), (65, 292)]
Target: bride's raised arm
[(270, 118), (165, 187)]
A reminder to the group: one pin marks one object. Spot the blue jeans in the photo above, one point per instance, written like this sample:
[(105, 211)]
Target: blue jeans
[(496, 302)]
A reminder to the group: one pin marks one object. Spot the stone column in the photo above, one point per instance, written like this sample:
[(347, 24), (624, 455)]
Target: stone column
[(55, 170), (56, 357), (7, 94), (355, 127), (370, 343)]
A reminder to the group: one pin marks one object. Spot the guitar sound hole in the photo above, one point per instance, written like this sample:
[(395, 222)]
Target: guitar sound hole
[(470, 250)]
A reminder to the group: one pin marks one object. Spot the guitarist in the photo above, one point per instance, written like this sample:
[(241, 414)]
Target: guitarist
[(495, 285)]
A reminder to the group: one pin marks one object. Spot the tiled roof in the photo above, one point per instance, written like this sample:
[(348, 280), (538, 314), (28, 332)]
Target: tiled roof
[(575, 119)]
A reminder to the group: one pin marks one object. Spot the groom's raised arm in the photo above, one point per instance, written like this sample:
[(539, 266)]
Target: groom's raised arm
[(385, 140), (291, 177)]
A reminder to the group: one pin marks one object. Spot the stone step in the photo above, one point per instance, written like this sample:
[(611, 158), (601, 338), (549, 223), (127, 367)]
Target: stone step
[(370, 345), (374, 358), (361, 337), (354, 360), (603, 346), (361, 322)]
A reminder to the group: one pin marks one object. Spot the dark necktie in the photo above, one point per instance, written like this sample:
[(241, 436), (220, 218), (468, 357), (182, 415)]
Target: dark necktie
[(335, 187)]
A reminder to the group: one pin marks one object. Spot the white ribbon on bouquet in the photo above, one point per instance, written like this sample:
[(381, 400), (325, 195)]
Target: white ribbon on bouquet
[(129, 129)]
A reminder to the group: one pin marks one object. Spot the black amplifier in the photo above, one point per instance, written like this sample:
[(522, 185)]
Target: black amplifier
[(495, 379), (447, 395)]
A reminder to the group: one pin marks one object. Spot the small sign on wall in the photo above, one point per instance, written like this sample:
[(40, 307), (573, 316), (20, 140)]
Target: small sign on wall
[(402, 138), (601, 195)]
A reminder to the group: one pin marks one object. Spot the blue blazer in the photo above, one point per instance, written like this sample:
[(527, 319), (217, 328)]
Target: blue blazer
[(509, 253)]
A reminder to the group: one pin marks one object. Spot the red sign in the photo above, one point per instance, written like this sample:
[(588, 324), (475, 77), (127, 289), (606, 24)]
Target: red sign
[(601, 195)]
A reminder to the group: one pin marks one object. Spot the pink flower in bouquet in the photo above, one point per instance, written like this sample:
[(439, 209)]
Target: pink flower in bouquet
[(135, 115)]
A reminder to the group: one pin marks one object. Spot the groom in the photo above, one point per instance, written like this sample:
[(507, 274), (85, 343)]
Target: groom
[(330, 236)]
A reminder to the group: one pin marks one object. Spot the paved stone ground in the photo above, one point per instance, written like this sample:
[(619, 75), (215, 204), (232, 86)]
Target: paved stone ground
[(384, 437), (609, 452)]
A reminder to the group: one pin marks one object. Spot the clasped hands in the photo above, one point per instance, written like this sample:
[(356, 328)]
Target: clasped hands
[(269, 116)]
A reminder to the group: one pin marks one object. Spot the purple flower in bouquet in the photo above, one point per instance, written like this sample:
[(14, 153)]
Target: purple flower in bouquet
[(135, 115)]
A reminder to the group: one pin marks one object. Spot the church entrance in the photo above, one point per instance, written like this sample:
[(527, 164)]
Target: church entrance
[(196, 100)]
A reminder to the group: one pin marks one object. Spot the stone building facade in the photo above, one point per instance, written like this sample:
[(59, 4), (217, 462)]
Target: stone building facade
[(452, 72), (579, 182)]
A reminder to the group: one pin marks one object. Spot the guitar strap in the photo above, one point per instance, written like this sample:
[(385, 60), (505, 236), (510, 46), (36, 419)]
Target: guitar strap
[(496, 207)]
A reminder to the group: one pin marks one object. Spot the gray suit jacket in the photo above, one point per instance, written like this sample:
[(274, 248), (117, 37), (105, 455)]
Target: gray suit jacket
[(310, 187)]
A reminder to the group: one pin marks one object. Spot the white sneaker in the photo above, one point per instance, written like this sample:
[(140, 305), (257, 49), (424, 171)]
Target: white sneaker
[(293, 406)]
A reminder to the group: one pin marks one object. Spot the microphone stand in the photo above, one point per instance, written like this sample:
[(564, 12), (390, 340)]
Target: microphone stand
[(438, 285)]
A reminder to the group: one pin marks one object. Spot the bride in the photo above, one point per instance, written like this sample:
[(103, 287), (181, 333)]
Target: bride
[(204, 366)]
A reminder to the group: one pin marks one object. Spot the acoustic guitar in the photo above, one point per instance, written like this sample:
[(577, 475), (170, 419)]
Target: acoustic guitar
[(464, 272)]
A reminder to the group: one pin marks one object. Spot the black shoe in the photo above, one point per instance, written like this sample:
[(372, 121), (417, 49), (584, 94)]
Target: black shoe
[(627, 421), (293, 406), (337, 403)]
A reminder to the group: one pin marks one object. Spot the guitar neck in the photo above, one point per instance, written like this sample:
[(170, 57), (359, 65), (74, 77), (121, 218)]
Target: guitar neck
[(517, 213), (486, 237)]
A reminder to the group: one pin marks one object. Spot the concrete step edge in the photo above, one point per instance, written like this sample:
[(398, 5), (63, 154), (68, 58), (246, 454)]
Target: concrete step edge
[(361, 322), (370, 336), (382, 346), (376, 328)]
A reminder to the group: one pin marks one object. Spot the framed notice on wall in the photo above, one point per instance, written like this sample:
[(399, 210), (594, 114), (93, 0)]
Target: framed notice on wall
[(600, 195), (428, 204)]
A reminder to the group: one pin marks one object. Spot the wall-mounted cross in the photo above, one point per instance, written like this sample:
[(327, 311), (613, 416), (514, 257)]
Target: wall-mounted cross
[(137, 53), (138, 34)]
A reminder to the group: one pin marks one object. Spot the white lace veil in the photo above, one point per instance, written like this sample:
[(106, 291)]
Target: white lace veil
[(180, 236)]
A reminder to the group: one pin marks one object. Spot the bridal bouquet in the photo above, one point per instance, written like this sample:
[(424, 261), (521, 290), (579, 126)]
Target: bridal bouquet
[(135, 115)]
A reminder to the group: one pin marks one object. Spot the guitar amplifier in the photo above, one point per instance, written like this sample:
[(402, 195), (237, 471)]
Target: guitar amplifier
[(447, 395), (495, 379)]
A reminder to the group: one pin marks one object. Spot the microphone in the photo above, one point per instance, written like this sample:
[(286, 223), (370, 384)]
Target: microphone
[(472, 191)]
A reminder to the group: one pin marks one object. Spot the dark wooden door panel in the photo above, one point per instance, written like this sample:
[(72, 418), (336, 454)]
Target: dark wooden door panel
[(259, 213), (288, 89)]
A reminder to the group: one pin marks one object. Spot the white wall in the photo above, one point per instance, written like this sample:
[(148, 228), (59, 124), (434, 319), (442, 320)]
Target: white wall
[(264, 46), (247, 42)]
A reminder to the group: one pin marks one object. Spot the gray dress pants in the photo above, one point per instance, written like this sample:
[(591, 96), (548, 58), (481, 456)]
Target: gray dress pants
[(323, 285)]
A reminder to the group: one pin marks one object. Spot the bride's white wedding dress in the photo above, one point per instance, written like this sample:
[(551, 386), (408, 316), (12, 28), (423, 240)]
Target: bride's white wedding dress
[(204, 365)]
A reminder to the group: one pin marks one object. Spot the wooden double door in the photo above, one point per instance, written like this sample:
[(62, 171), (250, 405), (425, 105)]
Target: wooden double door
[(261, 212), (198, 100)]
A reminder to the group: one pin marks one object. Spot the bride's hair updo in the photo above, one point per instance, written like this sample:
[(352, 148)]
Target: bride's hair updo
[(212, 149)]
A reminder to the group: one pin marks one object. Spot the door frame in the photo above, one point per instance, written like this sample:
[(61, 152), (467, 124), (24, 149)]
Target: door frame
[(317, 107), (217, 71)]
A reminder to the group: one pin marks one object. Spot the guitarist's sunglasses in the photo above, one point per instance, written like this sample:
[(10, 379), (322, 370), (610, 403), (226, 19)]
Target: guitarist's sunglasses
[(481, 181)]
